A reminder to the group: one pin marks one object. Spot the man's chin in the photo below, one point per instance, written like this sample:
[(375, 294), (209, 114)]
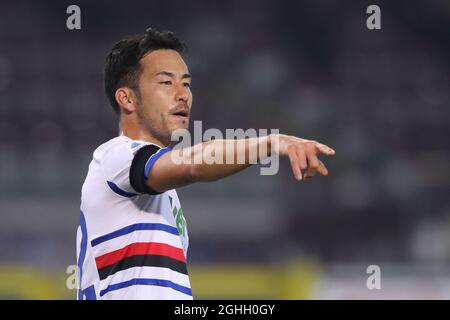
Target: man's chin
[(179, 122), (178, 128), (179, 134)]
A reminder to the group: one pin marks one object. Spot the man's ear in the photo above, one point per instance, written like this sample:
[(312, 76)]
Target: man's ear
[(126, 99)]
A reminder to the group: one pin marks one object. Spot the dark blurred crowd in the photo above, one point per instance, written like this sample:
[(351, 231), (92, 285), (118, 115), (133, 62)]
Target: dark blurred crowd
[(309, 68)]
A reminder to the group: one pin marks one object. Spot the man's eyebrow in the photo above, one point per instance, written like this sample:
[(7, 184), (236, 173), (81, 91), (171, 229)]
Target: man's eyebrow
[(170, 74)]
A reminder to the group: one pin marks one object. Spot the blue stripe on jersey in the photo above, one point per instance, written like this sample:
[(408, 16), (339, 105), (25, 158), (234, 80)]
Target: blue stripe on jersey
[(152, 160), (89, 293), (132, 228), (83, 248), (119, 191), (147, 282)]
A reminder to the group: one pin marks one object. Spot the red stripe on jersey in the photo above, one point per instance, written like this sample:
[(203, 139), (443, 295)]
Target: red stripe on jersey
[(140, 248)]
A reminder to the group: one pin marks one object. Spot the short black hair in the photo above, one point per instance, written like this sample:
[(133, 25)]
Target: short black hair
[(122, 68)]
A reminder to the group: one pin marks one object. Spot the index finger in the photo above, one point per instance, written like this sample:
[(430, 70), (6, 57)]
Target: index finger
[(325, 149)]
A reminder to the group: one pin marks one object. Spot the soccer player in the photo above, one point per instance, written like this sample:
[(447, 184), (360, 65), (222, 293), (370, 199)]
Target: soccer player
[(132, 239)]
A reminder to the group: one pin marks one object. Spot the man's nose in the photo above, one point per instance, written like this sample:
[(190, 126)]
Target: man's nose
[(182, 93)]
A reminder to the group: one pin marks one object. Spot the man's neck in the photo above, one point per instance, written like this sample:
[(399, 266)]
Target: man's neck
[(135, 132)]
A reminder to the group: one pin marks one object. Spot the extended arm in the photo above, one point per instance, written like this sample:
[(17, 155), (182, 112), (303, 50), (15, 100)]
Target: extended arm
[(215, 159)]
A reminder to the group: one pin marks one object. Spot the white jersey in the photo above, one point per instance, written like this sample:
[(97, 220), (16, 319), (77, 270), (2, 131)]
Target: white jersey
[(130, 245)]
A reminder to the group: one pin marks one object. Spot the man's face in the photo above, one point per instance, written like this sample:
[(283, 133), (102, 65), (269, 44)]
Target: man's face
[(165, 94)]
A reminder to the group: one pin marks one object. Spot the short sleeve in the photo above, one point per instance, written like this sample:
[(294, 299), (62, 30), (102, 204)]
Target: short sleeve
[(141, 165), (126, 166)]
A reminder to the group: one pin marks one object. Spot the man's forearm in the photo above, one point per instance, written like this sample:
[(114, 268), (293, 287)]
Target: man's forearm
[(216, 159)]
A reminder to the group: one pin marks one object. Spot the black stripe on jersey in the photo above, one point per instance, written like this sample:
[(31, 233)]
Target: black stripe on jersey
[(143, 261), (137, 169)]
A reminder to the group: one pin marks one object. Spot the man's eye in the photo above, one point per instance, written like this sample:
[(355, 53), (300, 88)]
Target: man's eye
[(166, 82), (187, 85)]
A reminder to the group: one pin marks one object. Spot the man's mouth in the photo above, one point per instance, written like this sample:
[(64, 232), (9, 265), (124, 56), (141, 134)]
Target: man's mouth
[(181, 113)]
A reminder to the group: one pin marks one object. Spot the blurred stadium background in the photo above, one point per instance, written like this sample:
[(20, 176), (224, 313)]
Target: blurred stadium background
[(310, 68)]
